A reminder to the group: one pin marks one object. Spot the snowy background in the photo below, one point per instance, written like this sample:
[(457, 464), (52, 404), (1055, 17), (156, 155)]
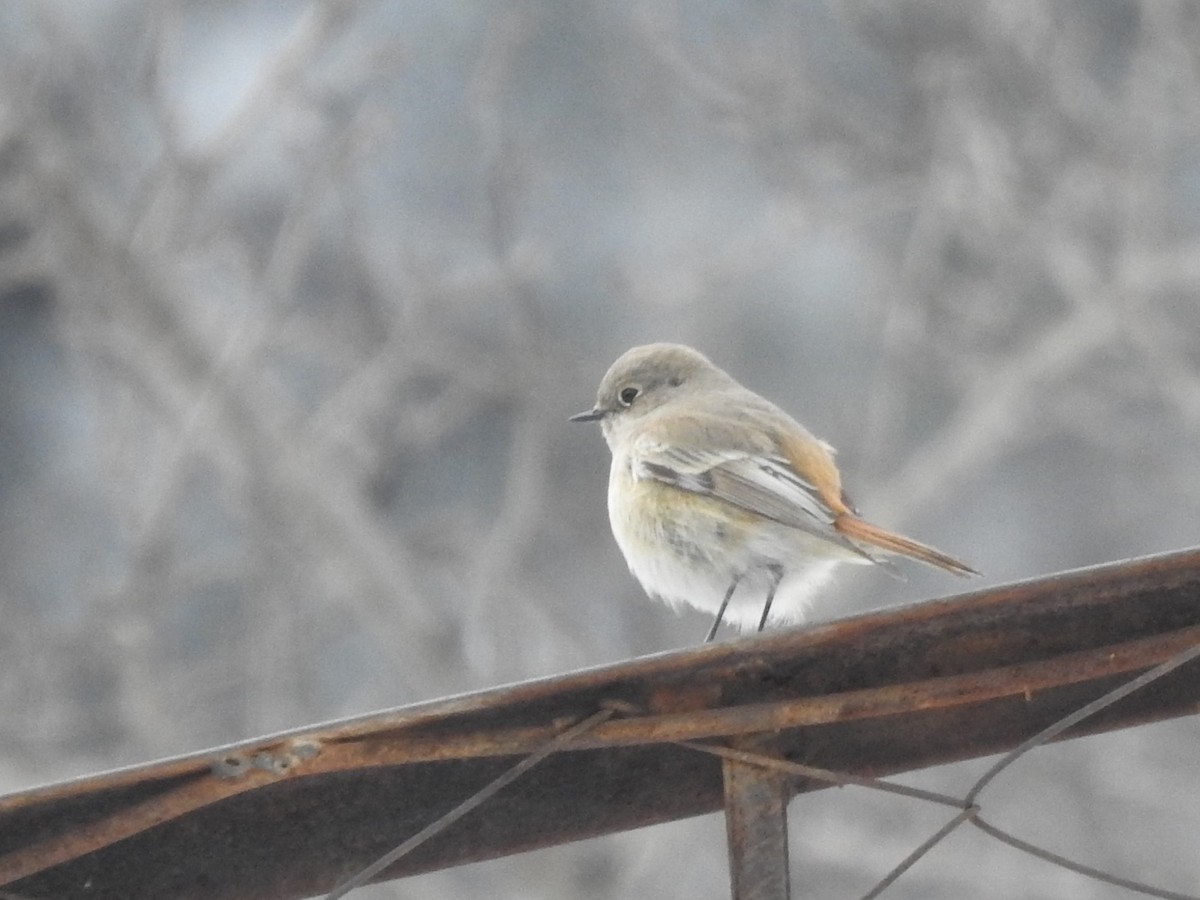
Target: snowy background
[(296, 297)]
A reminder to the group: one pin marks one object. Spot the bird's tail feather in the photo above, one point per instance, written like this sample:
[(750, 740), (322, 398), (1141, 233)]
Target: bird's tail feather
[(874, 536)]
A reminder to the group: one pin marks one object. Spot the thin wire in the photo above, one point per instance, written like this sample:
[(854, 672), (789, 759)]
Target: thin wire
[(910, 860), (971, 808), (841, 779), (479, 797), (1137, 886), (1047, 734)]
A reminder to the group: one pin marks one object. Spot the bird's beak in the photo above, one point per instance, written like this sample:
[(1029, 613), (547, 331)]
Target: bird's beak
[(591, 415)]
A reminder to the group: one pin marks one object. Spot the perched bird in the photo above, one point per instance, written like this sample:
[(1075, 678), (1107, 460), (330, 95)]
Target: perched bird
[(716, 491)]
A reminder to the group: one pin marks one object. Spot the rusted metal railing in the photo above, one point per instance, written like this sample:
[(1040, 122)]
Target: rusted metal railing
[(667, 736)]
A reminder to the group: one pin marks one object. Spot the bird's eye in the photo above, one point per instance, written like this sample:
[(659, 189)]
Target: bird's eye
[(628, 395)]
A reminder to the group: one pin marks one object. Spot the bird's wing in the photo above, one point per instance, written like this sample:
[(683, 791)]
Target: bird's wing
[(789, 478), (762, 485), (757, 479)]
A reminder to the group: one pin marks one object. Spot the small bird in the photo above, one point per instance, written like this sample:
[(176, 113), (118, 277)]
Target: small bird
[(715, 490)]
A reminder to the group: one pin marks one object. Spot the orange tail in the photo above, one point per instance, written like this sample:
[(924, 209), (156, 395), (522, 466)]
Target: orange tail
[(872, 535)]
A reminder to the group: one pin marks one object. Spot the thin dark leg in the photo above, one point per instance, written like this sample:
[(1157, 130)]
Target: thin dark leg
[(712, 632), (777, 571)]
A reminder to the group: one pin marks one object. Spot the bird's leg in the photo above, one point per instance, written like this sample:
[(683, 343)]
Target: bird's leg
[(712, 632), (777, 571)]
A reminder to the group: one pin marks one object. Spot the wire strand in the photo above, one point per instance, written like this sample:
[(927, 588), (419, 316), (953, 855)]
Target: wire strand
[(480, 797)]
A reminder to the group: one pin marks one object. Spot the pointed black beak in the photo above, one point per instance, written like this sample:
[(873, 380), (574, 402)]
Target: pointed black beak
[(591, 415)]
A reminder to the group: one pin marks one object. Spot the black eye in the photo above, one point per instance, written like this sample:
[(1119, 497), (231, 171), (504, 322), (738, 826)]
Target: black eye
[(628, 395)]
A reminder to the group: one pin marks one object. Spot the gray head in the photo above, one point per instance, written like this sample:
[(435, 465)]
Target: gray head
[(644, 378)]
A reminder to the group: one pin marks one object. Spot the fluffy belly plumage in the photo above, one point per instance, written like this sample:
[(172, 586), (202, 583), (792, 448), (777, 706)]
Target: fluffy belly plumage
[(686, 549)]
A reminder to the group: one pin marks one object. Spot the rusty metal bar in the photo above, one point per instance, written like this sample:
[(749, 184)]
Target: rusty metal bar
[(756, 823), (886, 692)]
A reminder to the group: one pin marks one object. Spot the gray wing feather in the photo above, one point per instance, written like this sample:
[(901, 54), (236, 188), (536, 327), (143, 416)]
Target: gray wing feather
[(762, 485)]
